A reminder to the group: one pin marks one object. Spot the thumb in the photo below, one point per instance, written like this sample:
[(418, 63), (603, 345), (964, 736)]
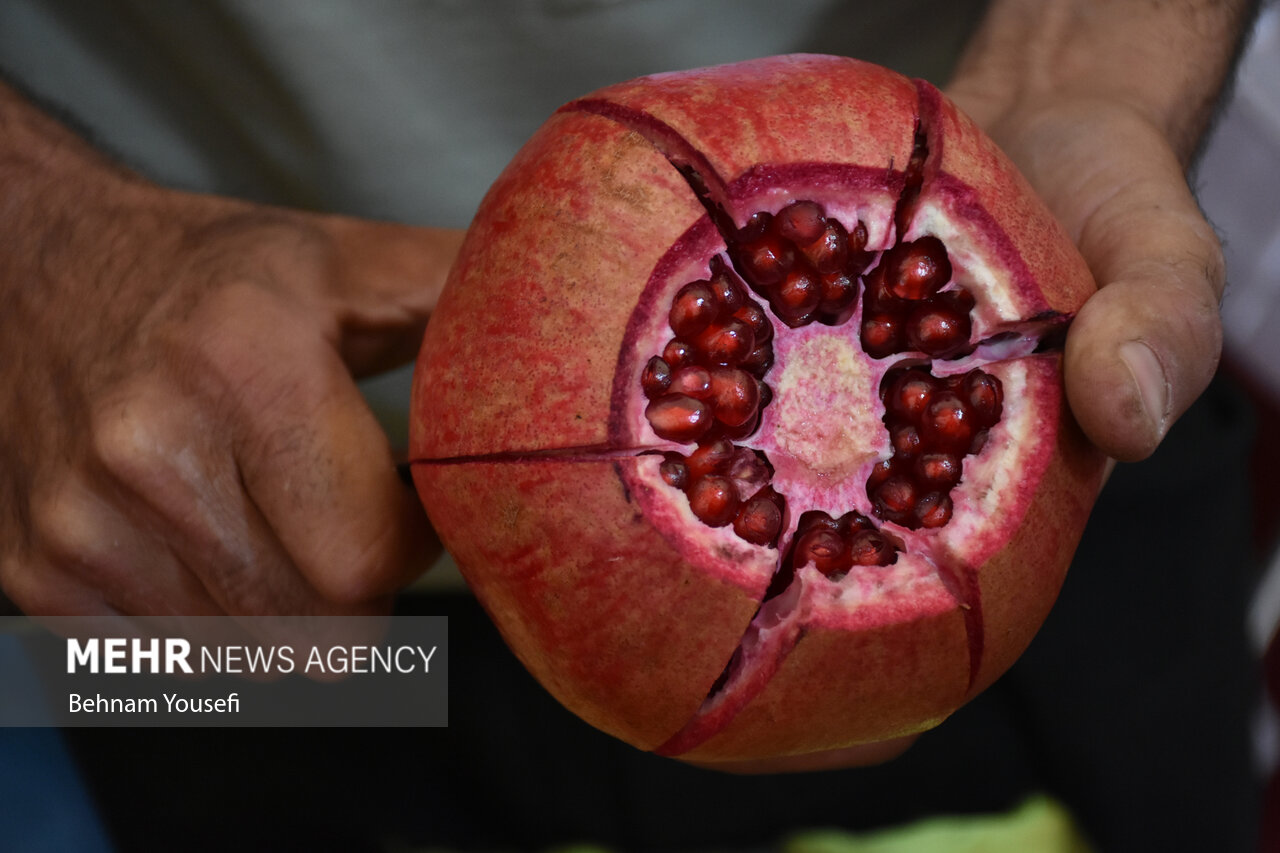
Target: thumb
[(1147, 344), (383, 283)]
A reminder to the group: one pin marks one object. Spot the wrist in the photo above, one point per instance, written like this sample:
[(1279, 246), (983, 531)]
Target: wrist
[(1166, 63)]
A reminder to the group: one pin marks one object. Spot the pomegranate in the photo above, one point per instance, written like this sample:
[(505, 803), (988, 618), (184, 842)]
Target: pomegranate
[(742, 409)]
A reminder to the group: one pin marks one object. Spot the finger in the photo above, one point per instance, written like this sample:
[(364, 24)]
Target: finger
[(184, 493), (83, 533), (46, 592), (384, 283), (1147, 345), (308, 451)]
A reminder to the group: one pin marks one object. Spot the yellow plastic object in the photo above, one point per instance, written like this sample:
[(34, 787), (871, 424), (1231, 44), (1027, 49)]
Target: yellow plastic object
[(1040, 824)]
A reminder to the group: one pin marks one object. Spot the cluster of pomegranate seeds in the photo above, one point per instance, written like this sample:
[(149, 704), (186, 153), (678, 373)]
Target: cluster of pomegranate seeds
[(803, 263), (707, 382), (933, 423), (707, 387), (835, 545), (905, 309), (727, 484)]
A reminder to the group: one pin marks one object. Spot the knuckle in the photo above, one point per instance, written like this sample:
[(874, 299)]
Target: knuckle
[(30, 586), (125, 441), (77, 531), (58, 525)]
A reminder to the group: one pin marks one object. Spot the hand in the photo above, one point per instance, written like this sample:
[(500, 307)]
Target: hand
[(1147, 344), (182, 433), (1102, 105)]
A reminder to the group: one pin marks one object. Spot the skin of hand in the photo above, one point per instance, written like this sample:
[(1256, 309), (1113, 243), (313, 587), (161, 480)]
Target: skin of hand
[(183, 434), (1102, 105)]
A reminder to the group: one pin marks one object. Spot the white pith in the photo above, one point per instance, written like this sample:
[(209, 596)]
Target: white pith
[(997, 304)]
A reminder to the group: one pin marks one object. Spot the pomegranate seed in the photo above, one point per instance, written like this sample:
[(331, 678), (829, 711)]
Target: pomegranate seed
[(935, 328), (895, 500), (933, 510), (725, 343), (798, 295), (829, 252), (693, 309), (878, 295), (858, 239), (801, 222), (905, 439), (674, 472), (766, 394), (839, 291), (909, 394), (760, 519), (677, 354), (871, 548), (814, 519), (710, 458), (759, 360), (985, 396), (824, 549), (755, 227), (882, 471), (979, 441), (729, 297), (765, 261), (735, 395), (918, 270), (852, 523), (656, 378), (749, 469), (947, 425), (694, 381), (714, 500), (938, 470), (678, 417), (881, 334), (753, 315), (743, 430)]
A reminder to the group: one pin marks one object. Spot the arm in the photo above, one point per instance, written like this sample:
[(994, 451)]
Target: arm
[(1103, 105), (180, 432)]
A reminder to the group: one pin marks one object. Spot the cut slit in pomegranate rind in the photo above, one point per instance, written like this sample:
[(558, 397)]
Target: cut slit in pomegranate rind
[(574, 525)]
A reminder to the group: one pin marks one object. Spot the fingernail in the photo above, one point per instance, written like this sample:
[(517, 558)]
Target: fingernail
[(1149, 376)]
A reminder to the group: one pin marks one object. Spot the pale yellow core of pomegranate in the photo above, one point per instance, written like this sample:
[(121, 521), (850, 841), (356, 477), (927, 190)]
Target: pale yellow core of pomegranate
[(824, 417)]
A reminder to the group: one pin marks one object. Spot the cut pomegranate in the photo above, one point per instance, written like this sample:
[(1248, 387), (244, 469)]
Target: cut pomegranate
[(737, 415)]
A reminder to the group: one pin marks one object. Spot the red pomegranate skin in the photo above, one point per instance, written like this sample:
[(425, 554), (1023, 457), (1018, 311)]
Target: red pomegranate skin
[(537, 467)]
